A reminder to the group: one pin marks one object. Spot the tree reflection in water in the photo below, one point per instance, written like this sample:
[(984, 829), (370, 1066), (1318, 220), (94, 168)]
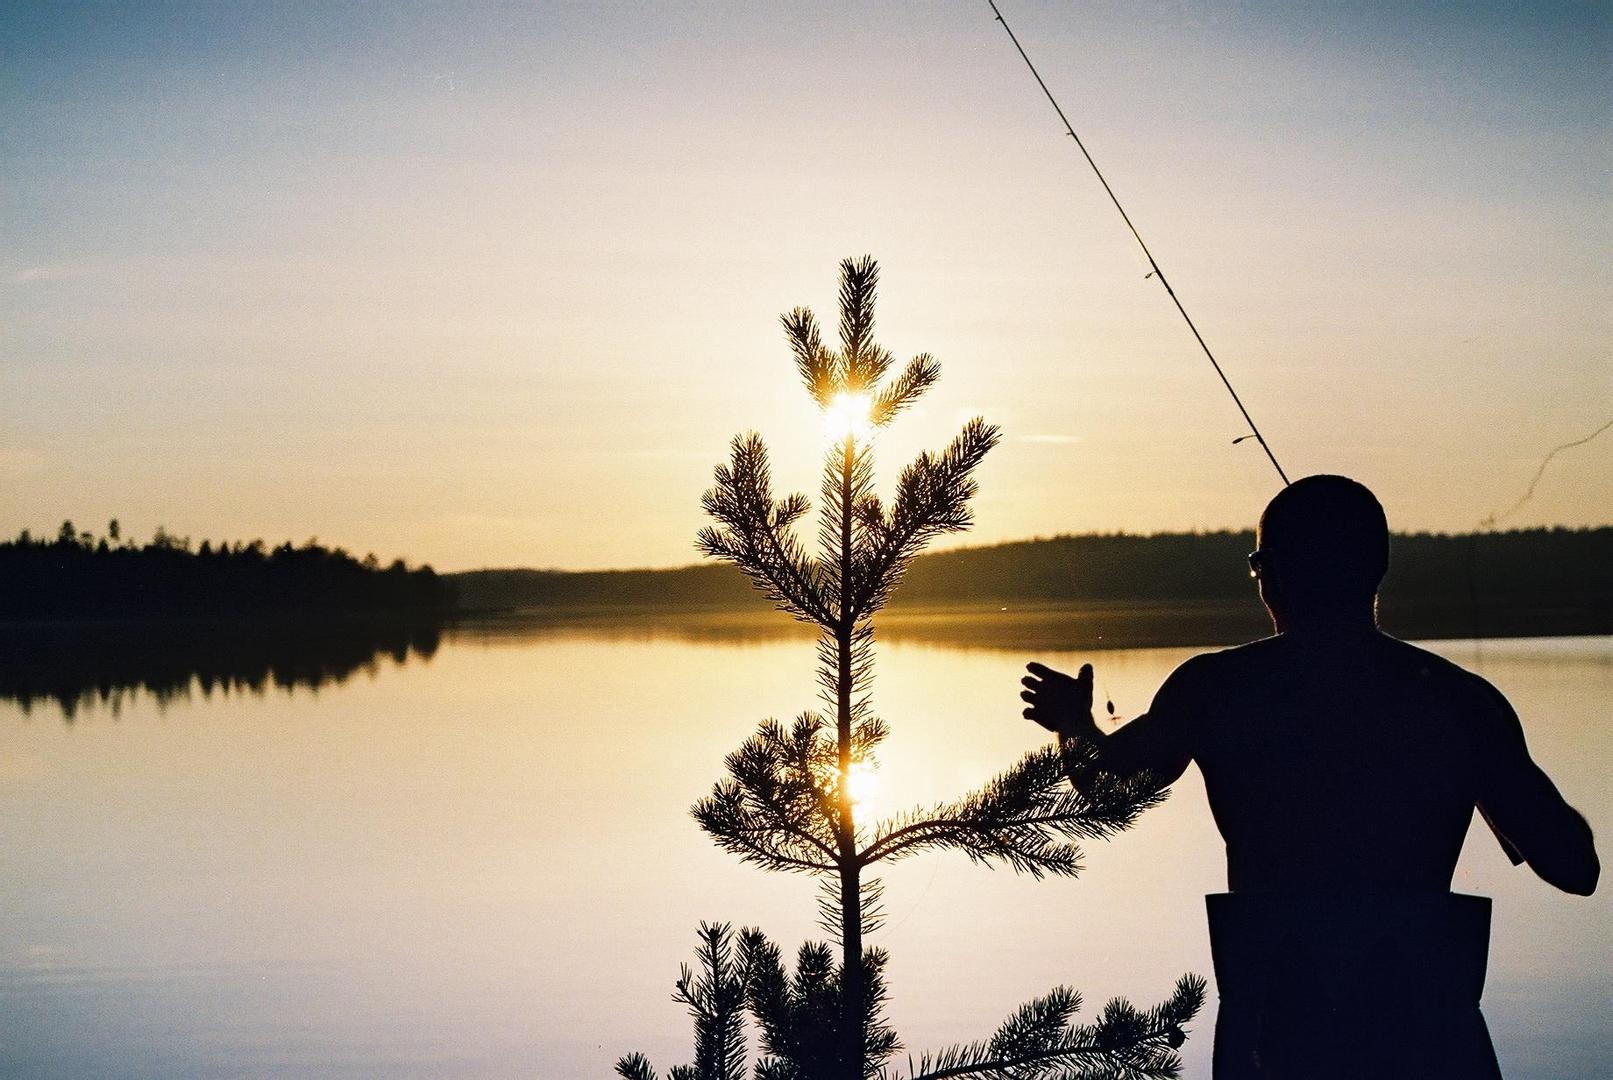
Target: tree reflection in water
[(77, 666)]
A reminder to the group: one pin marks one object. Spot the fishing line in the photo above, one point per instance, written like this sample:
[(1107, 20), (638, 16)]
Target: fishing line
[(1495, 519), (916, 903), (1154, 270), (1489, 523)]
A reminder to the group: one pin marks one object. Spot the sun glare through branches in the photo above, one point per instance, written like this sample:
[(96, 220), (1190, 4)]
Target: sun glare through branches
[(849, 416)]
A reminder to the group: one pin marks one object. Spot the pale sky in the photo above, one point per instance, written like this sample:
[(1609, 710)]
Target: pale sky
[(495, 285)]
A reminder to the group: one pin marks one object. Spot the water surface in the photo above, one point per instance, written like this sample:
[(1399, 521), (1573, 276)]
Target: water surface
[(478, 862)]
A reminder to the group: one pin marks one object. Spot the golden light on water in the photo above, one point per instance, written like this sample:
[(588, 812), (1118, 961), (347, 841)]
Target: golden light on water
[(863, 780), (847, 416)]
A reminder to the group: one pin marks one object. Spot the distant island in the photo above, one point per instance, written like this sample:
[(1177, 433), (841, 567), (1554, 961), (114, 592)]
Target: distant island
[(1121, 589), (77, 576)]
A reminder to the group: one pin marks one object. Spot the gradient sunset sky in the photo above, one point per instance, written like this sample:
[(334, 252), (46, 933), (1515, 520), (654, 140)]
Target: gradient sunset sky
[(495, 285)]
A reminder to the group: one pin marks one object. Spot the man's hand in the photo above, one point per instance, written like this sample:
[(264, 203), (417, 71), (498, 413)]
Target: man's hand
[(1057, 702)]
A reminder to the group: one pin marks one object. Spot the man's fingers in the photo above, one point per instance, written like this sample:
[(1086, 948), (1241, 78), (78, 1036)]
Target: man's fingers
[(1028, 695), (1031, 681), (1042, 671)]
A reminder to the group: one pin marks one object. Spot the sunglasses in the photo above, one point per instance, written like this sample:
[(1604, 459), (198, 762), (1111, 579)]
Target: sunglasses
[(1257, 560)]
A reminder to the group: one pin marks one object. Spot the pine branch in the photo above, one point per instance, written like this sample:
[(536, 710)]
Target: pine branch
[(1027, 818), (816, 365), (775, 809), (634, 1067), (757, 533), (1038, 1042), (716, 999), (862, 362), (932, 498), (867, 733), (918, 376)]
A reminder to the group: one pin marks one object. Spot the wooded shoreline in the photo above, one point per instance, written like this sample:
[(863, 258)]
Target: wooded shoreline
[(1180, 586), (1092, 591)]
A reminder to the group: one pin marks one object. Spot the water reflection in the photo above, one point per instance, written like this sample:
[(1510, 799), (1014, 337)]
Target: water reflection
[(973, 627), (483, 866), (76, 667), (1017, 627)]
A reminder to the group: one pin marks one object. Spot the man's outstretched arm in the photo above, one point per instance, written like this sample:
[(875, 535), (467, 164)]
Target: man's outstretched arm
[(1152, 742), (1526, 810)]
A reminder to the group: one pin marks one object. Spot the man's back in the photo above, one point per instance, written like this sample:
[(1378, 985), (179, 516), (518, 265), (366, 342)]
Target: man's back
[(1339, 764), (1353, 762)]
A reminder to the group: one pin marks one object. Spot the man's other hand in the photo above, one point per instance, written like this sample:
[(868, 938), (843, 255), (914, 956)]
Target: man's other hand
[(1056, 701)]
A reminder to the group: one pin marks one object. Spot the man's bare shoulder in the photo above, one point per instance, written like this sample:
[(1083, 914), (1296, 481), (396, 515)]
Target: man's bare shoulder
[(1438, 671), (1231, 661), (1207, 671), (1396, 659)]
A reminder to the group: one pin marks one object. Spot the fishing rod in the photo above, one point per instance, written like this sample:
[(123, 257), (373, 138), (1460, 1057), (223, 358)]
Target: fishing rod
[(1154, 270)]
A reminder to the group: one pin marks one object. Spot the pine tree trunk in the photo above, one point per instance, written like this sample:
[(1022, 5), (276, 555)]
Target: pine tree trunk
[(851, 931)]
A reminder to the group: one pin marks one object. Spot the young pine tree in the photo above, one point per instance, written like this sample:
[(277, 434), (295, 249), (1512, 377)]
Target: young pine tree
[(788, 801)]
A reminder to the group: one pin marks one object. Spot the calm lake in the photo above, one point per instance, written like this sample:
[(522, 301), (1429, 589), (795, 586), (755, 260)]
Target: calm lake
[(476, 861)]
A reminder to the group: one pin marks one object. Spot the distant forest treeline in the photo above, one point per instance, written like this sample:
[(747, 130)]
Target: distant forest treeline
[(1561, 578), (76, 575), (1557, 581)]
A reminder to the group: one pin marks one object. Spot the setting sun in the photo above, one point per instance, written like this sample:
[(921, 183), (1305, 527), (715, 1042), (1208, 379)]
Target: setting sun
[(848, 417)]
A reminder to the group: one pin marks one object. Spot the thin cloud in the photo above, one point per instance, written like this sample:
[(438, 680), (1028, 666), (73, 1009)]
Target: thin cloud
[(37, 274)]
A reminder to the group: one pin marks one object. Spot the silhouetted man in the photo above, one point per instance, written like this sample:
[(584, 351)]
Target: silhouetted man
[(1342, 768)]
